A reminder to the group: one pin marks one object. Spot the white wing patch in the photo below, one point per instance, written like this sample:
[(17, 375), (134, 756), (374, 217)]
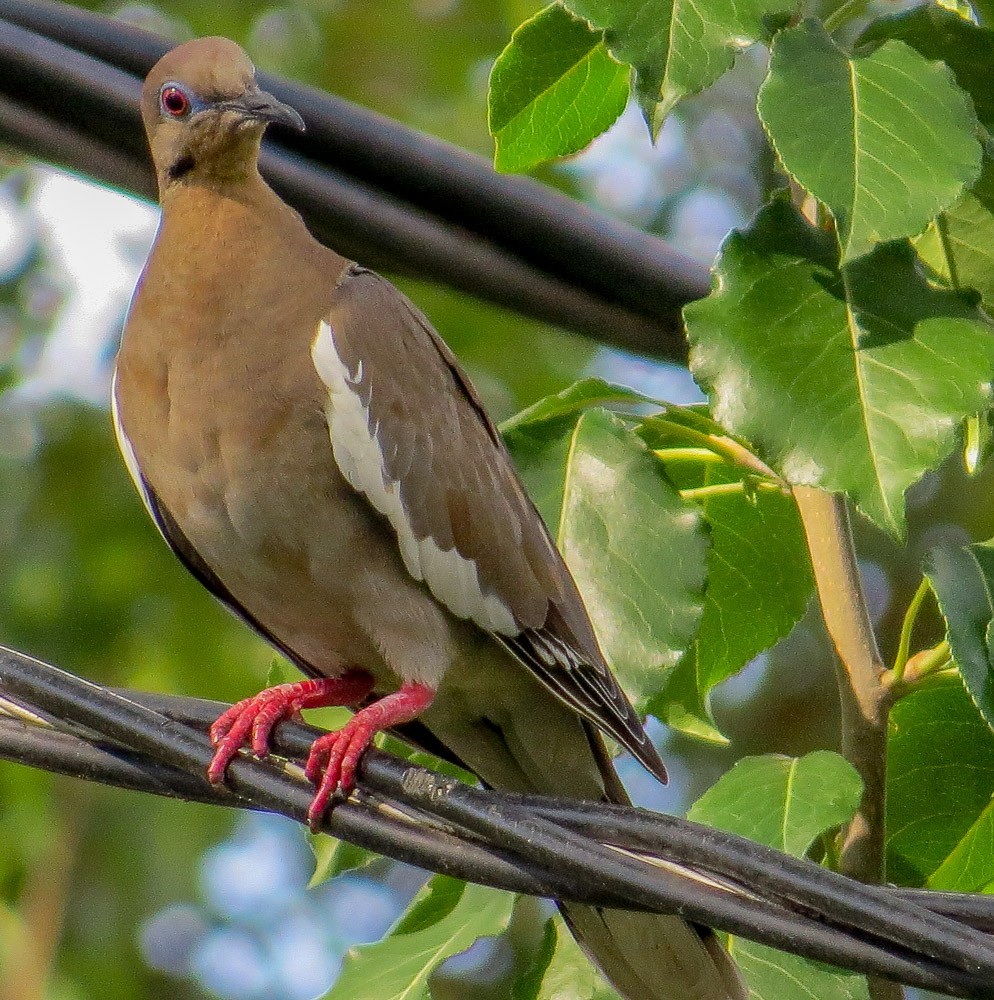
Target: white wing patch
[(452, 578), (128, 454)]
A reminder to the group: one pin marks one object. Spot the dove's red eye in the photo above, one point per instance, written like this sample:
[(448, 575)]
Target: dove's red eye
[(174, 102)]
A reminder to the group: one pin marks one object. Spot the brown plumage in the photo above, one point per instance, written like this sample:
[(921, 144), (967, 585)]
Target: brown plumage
[(315, 455)]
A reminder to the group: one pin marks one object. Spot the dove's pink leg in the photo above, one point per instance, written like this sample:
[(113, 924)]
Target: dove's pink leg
[(333, 759)]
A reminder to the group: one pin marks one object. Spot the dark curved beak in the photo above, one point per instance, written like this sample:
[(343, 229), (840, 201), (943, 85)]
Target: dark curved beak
[(257, 105)]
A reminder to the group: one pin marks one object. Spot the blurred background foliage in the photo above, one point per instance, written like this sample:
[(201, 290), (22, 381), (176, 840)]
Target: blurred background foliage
[(110, 895)]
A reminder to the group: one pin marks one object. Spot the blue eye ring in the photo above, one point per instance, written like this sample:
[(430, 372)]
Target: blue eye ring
[(174, 101)]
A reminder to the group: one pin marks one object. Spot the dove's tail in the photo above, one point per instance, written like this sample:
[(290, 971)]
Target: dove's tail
[(511, 731)]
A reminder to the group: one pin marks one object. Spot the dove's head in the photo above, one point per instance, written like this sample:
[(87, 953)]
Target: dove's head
[(205, 114)]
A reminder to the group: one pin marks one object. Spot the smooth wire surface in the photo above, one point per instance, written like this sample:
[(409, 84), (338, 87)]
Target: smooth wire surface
[(369, 187)]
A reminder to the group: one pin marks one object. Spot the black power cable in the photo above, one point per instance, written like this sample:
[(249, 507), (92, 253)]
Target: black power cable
[(557, 848), (373, 188)]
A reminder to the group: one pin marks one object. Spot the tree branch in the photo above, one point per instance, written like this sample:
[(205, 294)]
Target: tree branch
[(27, 973), (862, 695), (863, 698), (533, 844)]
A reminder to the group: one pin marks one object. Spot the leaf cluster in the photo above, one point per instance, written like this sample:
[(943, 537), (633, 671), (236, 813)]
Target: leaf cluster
[(846, 345)]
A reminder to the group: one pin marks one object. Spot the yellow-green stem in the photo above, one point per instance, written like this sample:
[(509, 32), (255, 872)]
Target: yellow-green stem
[(704, 455), (908, 627), (927, 663), (844, 12), (863, 696), (722, 489), (729, 449)]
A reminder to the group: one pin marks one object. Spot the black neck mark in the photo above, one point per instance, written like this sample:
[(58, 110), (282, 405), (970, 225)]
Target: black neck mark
[(181, 167)]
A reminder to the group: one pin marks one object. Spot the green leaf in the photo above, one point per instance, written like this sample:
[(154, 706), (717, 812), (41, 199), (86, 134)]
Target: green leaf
[(334, 857), (676, 46), (961, 8), (783, 802), (684, 706), (759, 582), (552, 90), (962, 578), (280, 672), (940, 34), (561, 970), (575, 399), (855, 381), (539, 437), (777, 975), (886, 141), (959, 245), (979, 444), (541, 452), (435, 902), (969, 867), (445, 918), (786, 803), (940, 778), (637, 551), (759, 573)]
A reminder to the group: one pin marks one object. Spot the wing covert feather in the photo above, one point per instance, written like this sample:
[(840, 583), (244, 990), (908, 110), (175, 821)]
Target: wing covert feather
[(458, 490), (456, 480)]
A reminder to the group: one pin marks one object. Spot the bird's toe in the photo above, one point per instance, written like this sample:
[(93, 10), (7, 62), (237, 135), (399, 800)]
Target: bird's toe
[(332, 764)]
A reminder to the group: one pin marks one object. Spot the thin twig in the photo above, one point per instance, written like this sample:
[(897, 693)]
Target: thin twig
[(700, 493), (863, 696), (27, 975), (726, 447), (908, 627)]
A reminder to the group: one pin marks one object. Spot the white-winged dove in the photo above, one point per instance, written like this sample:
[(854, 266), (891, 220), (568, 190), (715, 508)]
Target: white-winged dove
[(314, 454)]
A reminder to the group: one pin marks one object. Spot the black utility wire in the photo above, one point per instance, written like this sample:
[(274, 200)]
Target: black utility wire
[(433, 175), (414, 815), (733, 859), (399, 200)]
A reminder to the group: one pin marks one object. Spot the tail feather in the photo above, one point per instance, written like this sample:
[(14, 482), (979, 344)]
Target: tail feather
[(507, 728), (651, 957)]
